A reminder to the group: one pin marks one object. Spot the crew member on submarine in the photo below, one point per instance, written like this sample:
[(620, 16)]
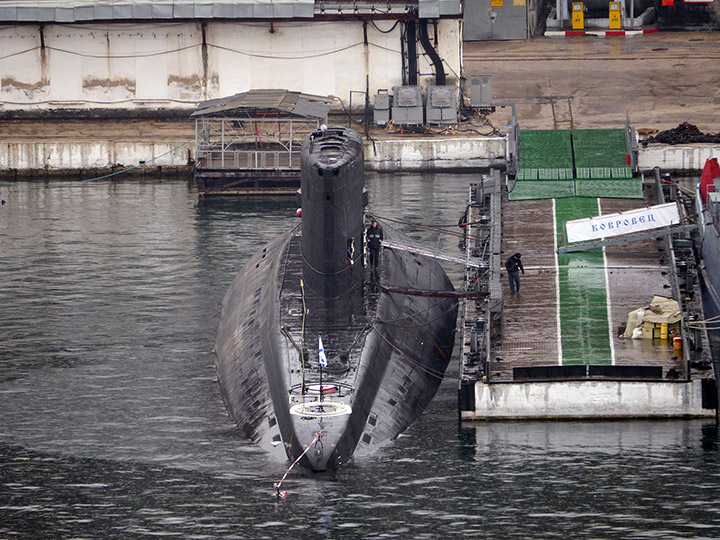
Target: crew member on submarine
[(374, 238)]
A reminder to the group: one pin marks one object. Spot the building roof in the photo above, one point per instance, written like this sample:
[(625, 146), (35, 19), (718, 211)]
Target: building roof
[(69, 11), (73, 11), (270, 100)]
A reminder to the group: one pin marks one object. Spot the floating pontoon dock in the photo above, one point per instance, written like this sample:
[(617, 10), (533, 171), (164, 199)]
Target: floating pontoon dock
[(555, 349)]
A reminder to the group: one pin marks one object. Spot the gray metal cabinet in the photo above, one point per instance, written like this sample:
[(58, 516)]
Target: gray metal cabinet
[(498, 19)]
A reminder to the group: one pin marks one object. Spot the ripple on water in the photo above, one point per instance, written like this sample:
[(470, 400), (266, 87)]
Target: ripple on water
[(112, 425)]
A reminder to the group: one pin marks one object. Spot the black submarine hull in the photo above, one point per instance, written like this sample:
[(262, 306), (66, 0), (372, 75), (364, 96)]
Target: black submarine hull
[(385, 353)]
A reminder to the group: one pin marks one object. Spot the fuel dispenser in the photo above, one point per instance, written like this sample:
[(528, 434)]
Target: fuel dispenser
[(578, 16), (615, 16)]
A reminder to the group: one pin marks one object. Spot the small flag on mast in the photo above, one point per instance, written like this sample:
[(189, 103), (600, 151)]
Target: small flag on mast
[(321, 353)]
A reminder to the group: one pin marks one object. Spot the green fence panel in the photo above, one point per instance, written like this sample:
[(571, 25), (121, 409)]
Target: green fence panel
[(540, 189)]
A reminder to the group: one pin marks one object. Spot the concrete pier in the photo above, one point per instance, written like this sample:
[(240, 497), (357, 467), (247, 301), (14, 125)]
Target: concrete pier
[(588, 399), (45, 148), (85, 146)]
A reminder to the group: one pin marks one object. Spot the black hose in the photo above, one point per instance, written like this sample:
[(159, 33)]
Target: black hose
[(432, 53), (411, 53)]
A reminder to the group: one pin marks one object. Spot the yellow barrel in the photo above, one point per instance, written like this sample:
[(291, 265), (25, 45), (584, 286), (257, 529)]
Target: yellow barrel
[(663, 331)]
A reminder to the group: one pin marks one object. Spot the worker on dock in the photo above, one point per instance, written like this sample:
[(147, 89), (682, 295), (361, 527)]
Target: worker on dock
[(374, 239), (514, 267)]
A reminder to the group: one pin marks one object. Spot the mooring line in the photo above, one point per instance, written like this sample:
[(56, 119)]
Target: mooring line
[(283, 494)]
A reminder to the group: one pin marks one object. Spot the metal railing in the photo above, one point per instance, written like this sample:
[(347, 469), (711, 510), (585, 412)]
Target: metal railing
[(248, 159)]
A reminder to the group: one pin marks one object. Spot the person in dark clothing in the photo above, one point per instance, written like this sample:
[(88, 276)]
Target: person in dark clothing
[(514, 266), (374, 240)]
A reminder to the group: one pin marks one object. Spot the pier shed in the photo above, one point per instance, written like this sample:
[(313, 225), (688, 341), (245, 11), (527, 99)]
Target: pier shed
[(249, 143)]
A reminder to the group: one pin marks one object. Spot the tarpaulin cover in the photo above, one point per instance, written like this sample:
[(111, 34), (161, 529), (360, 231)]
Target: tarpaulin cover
[(661, 310)]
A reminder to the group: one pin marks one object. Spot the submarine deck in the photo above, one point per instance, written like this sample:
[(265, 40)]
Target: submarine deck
[(343, 330)]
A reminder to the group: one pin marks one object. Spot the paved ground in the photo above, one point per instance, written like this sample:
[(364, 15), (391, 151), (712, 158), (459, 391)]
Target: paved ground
[(92, 130), (660, 80)]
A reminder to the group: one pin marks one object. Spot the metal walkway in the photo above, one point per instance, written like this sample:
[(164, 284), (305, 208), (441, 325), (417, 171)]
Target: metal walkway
[(436, 254), (582, 294)]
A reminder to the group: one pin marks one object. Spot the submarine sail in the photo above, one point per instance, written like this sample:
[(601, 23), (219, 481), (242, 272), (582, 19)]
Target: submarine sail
[(310, 346)]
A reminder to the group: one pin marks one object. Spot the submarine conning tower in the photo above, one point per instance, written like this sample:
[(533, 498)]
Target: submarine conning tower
[(333, 196)]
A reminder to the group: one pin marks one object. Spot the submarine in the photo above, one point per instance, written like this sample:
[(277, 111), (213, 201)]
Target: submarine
[(320, 357)]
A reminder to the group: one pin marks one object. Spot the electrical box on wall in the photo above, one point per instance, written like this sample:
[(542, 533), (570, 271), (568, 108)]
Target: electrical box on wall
[(407, 105), (381, 111)]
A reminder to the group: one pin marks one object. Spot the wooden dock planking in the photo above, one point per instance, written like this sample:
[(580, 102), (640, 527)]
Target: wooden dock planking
[(636, 272), (631, 288), (529, 329)]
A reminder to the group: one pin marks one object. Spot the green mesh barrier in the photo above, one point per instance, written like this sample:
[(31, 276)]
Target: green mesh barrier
[(623, 188), (585, 334), (599, 150), (545, 149), (621, 172), (600, 167), (540, 189)]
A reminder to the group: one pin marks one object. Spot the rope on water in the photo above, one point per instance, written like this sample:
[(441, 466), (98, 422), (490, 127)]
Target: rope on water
[(283, 494)]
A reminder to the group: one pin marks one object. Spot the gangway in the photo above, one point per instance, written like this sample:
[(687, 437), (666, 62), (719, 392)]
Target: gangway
[(436, 254)]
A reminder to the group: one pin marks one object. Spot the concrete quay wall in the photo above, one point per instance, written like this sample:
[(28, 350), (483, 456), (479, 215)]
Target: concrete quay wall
[(679, 157), (437, 153), (28, 158), (588, 399), (24, 158), (31, 157)]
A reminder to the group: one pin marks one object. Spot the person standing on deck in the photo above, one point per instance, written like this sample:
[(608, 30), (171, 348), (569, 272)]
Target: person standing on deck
[(374, 239), (514, 267)]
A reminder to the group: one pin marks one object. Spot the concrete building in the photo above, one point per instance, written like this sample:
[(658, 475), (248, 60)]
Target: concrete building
[(148, 55)]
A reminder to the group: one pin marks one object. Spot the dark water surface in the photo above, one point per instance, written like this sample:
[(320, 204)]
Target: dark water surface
[(112, 425)]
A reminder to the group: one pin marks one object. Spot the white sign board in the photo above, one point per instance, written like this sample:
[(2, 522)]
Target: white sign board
[(642, 219)]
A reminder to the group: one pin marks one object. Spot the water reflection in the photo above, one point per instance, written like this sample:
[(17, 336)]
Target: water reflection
[(710, 437), (113, 425)]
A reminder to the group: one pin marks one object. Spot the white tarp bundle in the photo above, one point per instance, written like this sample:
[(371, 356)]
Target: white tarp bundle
[(642, 219)]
